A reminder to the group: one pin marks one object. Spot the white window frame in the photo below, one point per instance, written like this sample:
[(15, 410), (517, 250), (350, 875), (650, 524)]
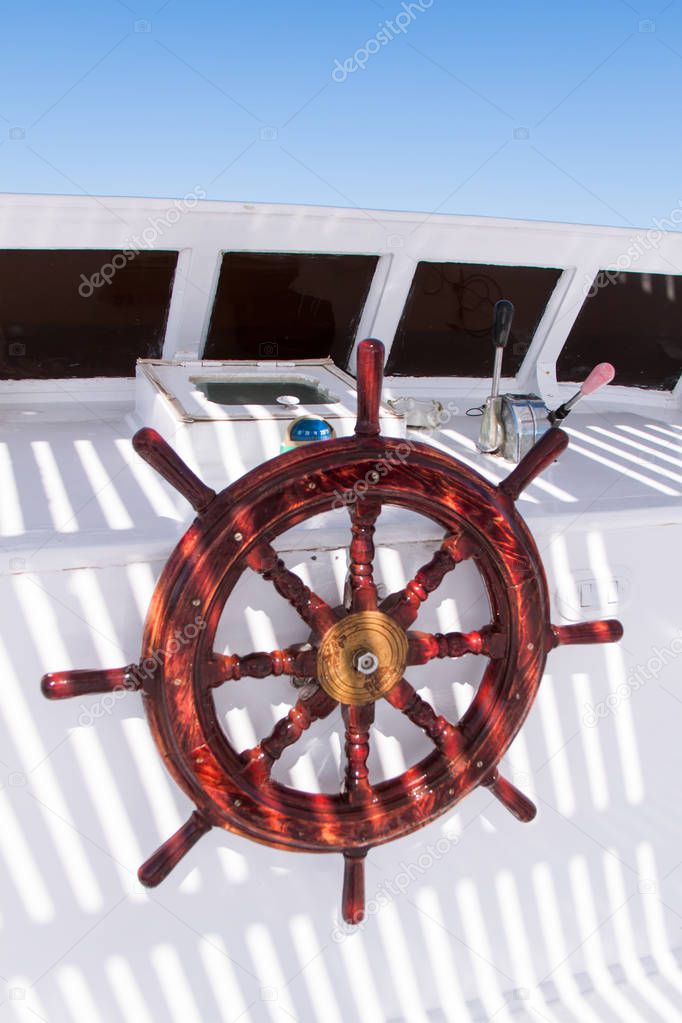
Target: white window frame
[(202, 234)]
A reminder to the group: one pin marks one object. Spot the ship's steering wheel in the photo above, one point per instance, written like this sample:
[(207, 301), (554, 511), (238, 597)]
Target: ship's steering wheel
[(355, 656)]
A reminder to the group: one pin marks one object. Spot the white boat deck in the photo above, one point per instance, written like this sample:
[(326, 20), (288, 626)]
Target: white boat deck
[(71, 487), (504, 924)]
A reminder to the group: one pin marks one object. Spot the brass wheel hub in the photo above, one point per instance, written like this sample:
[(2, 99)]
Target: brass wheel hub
[(361, 657)]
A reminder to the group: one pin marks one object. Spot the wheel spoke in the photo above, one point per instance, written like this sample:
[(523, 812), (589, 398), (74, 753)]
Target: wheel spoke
[(314, 611), (424, 646), (294, 662), (541, 455), (404, 606), (358, 721), (443, 734), (606, 630), (353, 894), (370, 377), (63, 685), (360, 573), (151, 446), (167, 856), (258, 762), (512, 798)]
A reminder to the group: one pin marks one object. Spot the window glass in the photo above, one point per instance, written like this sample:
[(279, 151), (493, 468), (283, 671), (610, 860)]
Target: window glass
[(633, 320), (288, 306), (70, 313), (446, 325)]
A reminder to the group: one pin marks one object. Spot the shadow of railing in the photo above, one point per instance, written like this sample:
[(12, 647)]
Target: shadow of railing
[(575, 916)]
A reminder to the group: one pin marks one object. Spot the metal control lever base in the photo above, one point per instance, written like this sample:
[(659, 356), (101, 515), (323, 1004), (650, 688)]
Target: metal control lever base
[(491, 433), (512, 424)]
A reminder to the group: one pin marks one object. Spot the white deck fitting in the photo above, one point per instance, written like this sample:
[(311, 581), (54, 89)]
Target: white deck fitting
[(575, 917)]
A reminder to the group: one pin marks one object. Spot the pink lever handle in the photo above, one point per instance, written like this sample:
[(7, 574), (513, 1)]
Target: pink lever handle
[(600, 375)]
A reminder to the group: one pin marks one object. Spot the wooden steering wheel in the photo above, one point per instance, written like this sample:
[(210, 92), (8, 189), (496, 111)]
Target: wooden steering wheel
[(355, 656)]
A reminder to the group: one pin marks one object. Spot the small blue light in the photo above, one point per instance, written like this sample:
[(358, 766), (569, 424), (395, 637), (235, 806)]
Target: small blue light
[(309, 429)]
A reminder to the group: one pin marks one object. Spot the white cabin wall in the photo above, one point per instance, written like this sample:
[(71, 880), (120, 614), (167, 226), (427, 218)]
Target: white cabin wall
[(489, 915)]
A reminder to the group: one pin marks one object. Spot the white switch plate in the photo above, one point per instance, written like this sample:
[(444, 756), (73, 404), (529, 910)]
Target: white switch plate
[(586, 595)]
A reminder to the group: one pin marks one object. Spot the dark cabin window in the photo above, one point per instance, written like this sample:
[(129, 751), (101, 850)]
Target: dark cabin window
[(288, 306), (90, 313), (446, 324), (633, 320)]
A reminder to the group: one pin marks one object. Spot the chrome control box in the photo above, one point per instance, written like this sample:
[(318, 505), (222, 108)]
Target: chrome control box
[(524, 421)]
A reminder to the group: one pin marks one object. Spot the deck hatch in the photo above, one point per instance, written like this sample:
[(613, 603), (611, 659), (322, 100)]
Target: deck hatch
[(241, 390)]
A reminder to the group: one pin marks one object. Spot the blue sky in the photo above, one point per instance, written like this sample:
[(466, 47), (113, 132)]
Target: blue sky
[(559, 111)]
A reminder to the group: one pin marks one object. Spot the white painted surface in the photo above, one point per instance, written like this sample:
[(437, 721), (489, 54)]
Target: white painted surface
[(574, 917), (499, 921)]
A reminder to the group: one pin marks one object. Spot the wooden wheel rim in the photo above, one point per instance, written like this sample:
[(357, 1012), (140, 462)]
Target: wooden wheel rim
[(201, 574)]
